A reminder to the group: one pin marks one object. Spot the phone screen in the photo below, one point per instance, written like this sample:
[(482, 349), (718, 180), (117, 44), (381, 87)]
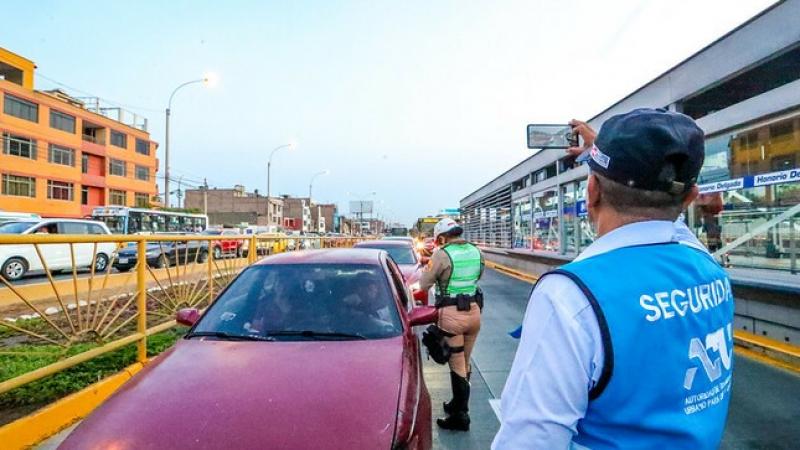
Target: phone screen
[(550, 136)]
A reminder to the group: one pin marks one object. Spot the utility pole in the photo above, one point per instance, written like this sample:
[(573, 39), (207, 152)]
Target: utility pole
[(205, 196)]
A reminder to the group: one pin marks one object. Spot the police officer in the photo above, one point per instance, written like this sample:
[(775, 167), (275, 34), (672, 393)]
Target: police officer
[(630, 345), (455, 269)]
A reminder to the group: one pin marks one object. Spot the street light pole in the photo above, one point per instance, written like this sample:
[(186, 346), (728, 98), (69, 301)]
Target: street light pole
[(204, 80), (269, 165), (311, 183)]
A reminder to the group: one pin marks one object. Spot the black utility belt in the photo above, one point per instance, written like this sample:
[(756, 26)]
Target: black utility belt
[(461, 301)]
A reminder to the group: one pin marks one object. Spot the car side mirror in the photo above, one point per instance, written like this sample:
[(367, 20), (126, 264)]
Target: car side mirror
[(423, 315), (187, 316), (424, 260)]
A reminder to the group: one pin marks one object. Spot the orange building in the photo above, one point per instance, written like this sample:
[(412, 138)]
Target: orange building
[(62, 156)]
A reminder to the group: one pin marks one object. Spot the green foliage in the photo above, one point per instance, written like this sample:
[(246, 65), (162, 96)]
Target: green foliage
[(26, 358)]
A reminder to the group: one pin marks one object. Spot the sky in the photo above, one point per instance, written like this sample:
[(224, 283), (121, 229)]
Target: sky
[(418, 102)]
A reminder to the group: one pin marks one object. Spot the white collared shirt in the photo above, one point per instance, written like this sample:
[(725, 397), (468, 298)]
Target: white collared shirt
[(560, 353)]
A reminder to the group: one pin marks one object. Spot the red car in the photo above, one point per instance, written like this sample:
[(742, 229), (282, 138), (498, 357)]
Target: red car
[(304, 350), (405, 255), (226, 246)]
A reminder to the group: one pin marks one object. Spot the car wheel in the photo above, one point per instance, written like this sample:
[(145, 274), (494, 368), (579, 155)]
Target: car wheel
[(100, 263), (217, 253), (123, 269), (14, 269), (162, 262), (202, 257)]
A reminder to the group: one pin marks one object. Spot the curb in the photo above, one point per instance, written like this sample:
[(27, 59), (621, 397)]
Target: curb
[(778, 353), (511, 272), (30, 430)]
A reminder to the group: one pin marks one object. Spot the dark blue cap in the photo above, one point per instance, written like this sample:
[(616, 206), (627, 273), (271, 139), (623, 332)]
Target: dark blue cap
[(650, 149)]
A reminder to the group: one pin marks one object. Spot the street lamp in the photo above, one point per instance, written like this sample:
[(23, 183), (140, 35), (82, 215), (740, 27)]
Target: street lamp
[(311, 183), (290, 146), (207, 80)]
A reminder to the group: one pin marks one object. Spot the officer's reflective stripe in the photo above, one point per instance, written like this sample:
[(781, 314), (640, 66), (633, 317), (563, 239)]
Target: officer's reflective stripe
[(466, 268)]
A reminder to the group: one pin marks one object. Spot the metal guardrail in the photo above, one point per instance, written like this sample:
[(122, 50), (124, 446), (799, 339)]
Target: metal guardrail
[(81, 316)]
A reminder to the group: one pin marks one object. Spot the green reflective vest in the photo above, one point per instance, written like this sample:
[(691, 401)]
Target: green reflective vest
[(465, 261)]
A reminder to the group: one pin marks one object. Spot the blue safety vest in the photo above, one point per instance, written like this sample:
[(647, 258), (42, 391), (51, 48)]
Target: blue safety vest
[(665, 313)]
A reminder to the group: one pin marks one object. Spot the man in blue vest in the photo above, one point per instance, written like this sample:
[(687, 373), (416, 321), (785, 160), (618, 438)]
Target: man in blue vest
[(630, 345)]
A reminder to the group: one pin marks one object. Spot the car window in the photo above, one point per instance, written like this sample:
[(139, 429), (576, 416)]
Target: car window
[(400, 254), (15, 227), (47, 228), (399, 283), (351, 299), (96, 229), (73, 228)]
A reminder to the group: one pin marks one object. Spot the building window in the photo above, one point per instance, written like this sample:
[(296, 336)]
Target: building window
[(142, 200), (142, 146), (19, 146), (61, 121), (119, 139), (84, 163), (61, 155), (142, 173), (23, 109), (117, 197), (19, 186), (117, 167), (58, 190), (84, 195)]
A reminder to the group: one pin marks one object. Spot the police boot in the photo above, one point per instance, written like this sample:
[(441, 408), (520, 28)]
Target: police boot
[(448, 406), (458, 418)]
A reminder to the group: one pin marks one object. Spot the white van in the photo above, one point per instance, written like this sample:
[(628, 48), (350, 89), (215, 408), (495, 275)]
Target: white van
[(18, 260)]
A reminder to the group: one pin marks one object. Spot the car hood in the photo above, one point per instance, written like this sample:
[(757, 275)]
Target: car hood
[(279, 395)]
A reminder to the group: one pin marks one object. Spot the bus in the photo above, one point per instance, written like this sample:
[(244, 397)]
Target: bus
[(424, 227), (125, 220)]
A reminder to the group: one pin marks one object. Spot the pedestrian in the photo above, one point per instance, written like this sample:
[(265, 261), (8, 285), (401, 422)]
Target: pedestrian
[(630, 345), (455, 270)]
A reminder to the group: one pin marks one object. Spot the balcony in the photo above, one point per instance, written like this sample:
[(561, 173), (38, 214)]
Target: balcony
[(93, 139)]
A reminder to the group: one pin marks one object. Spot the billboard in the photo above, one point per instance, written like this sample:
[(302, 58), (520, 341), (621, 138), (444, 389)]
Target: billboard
[(361, 207)]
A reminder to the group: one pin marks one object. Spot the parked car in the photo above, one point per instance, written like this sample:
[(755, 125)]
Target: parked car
[(227, 246), (18, 260), (7, 216), (163, 254), (406, 257), (303, 350)]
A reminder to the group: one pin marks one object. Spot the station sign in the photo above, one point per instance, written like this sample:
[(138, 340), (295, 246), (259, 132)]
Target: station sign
[(763, 179)]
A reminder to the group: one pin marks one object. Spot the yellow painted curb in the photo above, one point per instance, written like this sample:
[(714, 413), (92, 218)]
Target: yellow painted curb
[(783, 354), (522, 276), (35, 428)]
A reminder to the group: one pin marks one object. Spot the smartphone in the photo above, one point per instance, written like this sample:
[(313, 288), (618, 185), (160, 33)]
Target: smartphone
[(546, 136)]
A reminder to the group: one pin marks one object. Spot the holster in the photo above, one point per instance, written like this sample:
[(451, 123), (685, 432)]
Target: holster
[(479, 298), (435, 340)]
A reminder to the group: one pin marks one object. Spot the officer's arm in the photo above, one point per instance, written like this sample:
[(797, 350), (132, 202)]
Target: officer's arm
[(558, 358), (439, 263)]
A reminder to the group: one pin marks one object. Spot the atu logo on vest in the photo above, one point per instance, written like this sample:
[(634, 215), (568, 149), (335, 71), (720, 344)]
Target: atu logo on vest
[(717, 342)]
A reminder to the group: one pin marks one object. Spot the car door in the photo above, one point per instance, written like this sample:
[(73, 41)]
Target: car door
[(56, 256), (82, 251)]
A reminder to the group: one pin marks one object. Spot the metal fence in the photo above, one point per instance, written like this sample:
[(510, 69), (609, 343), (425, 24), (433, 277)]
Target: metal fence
[(94, 294)]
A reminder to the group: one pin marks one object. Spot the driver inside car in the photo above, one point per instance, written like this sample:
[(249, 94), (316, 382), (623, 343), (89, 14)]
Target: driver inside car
[(366, 305)]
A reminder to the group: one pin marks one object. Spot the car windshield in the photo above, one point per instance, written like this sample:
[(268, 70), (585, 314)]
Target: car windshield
[(400, 254), (15, 227), (305, 301)]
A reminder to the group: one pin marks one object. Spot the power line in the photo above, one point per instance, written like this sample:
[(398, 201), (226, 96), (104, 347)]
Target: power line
[(119, 104)]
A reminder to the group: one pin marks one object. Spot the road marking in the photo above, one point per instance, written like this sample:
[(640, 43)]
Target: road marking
[(495, 404), (512, 272)]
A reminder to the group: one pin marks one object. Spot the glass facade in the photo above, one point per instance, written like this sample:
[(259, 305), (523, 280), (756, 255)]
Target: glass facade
[(748, 210)]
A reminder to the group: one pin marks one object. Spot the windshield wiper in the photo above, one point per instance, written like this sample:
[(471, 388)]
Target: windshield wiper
[(315, 334), (229, 336)]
